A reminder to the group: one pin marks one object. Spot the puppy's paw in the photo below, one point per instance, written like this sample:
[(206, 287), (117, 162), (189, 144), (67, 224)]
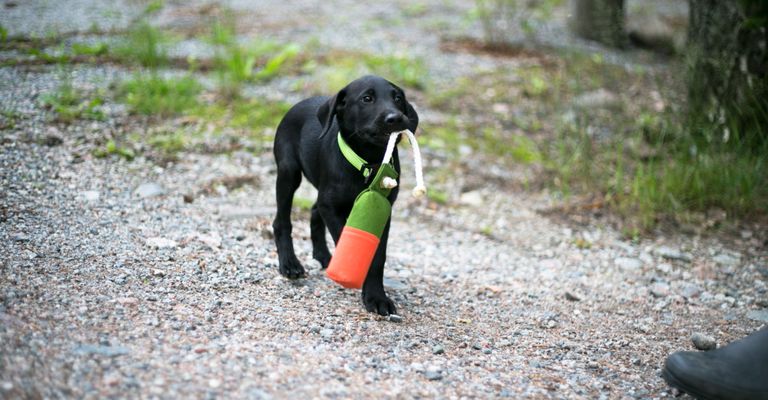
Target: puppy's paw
[(292, 269), (379, 303), (323, 258)]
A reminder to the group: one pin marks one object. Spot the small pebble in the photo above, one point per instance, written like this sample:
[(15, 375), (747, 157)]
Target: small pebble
[(703, 342), (394, 318), (570, 296), (433, 375)]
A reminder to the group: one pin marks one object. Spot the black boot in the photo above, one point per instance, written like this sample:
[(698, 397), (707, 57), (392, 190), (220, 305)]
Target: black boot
[(736, 371)]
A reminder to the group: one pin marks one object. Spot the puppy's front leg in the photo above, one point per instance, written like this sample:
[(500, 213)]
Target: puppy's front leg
[(374, 297)]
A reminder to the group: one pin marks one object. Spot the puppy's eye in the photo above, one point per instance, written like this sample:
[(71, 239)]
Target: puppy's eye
[(398, 98), (367, 99)]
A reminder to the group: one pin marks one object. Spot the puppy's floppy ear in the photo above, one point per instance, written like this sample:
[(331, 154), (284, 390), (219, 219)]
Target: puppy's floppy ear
[(329, 109), (410, 113)]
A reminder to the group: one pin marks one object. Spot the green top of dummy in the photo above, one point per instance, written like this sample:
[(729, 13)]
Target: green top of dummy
[(372, 209)]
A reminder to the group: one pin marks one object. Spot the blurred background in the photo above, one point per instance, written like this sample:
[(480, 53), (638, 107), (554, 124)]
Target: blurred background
[(648, 113)]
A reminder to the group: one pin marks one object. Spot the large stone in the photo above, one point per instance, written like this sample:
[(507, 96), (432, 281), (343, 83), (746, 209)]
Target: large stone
[(689, 290), (628, 263), (673, 254), (758, 315), (212, 239), (149, 189), (160, 243), (109, 351), (89, 196), (726, 260), (660, 289), (394, 284), (473, 198)]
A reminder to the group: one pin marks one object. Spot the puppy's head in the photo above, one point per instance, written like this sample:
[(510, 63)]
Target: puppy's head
[(369, 108)]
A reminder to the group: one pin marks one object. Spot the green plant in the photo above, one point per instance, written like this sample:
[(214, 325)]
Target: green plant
[(154, 95), (145, 44), (49, 58), (97, 49), (111, 148), (169, 143), (235, 64), (414, 9), (438, 196), (3, 34), (257, 117), (277, 62), (684, 175), (9, 118), (70, 104)]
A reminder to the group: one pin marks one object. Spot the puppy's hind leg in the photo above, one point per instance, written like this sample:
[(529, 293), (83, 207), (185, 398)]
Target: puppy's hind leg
[(319, 245), (288, 180)]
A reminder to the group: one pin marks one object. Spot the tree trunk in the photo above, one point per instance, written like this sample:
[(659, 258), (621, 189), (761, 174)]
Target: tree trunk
[(599, 20), (728, 69)]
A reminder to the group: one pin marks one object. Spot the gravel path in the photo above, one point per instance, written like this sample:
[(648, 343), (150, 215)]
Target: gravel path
[(112, 284)]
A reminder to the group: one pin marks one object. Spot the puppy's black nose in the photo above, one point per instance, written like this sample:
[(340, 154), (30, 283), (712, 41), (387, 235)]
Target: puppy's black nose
[(393, 118)]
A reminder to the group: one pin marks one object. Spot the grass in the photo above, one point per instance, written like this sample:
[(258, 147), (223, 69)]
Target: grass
[(47, 57), (145, 44), (9, 118), (169, 143), (95, 50), (258, 118), (681, 182), (70, 104), (154, 95), (111, 148), (635, 157), (236, 64), (658, 172)]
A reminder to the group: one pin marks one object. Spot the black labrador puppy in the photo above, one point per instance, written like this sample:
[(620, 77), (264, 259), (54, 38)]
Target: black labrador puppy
[(365, 112)]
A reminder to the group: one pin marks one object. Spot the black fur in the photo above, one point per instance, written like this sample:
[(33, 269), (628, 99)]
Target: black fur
[(365, 112)]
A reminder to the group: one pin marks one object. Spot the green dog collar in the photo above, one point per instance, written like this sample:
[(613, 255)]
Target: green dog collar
[(356, 161)]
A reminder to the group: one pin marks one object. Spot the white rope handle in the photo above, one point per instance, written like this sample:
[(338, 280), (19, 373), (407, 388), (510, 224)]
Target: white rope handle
[(420, 189), (389, 183)]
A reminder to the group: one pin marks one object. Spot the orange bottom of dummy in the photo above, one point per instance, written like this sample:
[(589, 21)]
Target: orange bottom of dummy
[(352, 258)]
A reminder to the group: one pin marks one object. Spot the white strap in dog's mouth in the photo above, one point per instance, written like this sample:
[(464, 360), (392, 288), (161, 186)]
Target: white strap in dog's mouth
[(420, 189)]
